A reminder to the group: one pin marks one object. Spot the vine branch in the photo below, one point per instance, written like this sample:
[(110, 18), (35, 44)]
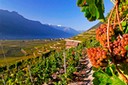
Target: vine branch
[(108, 43), (124, 77), (118, 17)]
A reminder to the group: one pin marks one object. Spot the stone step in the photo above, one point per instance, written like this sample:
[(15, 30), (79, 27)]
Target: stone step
[(82, 60), (80, 83), (85, 63), (84, 74)]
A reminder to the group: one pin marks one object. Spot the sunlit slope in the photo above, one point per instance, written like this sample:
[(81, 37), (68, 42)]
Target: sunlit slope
[(87, 34)]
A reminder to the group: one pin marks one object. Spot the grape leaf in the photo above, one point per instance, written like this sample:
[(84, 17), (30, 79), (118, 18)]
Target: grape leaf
[(97, 1), (125, 29), (96, 9), (96, 81), (93, 9), (108, 71), (92, 18), (83, 9), (87, 13), (81, 3), (116, 81), (124, 23), (100, 7), (90, 2), (103, 78)]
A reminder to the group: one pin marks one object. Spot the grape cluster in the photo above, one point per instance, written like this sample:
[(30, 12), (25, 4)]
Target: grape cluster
[(97, 56), (122, 10), (101, 34), (119, 46)]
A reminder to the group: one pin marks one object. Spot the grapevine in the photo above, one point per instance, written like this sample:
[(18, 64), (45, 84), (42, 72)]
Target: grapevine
[(112, 35), (45, 69)]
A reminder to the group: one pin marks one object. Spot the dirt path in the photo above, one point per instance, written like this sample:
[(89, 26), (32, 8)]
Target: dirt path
[(84, 74)]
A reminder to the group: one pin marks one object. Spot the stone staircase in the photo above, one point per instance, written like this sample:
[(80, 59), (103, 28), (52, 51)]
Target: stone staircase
[(84, 74)]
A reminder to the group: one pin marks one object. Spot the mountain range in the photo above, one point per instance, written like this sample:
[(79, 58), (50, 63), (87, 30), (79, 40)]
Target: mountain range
[(15, 26)]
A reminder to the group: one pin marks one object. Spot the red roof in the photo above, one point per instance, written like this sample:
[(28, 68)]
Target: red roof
[(72, 43)]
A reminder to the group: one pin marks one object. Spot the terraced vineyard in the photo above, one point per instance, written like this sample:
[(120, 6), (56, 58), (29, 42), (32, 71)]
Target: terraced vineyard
[(15, 50), (108, 54), (48, 67)]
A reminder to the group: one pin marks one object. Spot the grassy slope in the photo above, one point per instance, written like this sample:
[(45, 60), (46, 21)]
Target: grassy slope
[(87, 35)]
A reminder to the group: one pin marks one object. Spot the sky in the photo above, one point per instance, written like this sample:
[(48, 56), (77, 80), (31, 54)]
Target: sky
[(55, 12)]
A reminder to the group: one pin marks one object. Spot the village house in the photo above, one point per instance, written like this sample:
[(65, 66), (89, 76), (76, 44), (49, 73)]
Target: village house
[(71, 43)]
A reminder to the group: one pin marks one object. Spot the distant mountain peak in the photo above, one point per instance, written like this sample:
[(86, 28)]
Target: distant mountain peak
[(15, 26), (59, 25), (11, 12), (15, 12)]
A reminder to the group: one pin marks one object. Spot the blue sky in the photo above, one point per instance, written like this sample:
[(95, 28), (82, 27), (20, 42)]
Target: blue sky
[(56, 12)]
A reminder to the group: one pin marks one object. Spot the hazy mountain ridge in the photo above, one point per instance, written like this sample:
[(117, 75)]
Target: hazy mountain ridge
[(15, 26), (65, 29)]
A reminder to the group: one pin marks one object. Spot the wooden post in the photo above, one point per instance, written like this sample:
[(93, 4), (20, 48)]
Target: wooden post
[(3, 80), (2, 49), (30, 75), (64, 61)]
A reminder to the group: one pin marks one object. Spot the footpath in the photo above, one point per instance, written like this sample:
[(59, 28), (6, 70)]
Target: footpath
[(84, 74)]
